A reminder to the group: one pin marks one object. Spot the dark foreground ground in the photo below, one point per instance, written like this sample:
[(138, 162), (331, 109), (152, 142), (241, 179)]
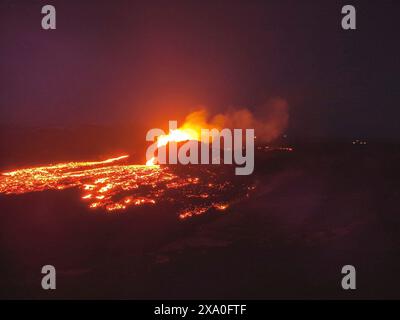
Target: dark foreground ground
[(314, 210)]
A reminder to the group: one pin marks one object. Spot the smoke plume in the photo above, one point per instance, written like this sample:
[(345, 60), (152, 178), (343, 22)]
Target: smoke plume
[(269, 122)]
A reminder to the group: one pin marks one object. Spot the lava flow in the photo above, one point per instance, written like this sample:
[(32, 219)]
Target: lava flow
[(113, 185)]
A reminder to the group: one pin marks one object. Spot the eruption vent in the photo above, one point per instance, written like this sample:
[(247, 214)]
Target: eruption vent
[(269, 124)]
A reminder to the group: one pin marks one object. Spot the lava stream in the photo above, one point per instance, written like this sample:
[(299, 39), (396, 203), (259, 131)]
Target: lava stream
[(114, 186)]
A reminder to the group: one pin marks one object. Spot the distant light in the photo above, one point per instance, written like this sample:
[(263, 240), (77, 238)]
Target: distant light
[(359, 142)]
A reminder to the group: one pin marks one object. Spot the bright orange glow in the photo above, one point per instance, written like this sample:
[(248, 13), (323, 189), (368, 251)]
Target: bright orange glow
[(59, 166), (221, 206), (114, 186), (178, 135), (151, 162)]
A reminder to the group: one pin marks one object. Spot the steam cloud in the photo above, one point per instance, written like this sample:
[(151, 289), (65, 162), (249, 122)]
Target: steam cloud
[(269, 123)]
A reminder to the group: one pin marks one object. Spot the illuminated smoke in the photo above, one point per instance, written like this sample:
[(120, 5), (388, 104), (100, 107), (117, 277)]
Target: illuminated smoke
[(269, 122)]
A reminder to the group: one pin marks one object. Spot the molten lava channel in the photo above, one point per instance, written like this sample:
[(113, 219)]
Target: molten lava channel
[(115, 186)]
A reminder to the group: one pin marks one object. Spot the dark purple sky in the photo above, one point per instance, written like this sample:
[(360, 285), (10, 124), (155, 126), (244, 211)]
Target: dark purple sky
[(132, 61)]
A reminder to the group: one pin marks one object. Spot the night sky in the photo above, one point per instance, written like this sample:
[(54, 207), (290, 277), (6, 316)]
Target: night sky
[(111, 62)]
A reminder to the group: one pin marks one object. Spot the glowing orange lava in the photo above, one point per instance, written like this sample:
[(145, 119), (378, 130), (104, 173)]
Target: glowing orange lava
[(177, 135), (115, 186)]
